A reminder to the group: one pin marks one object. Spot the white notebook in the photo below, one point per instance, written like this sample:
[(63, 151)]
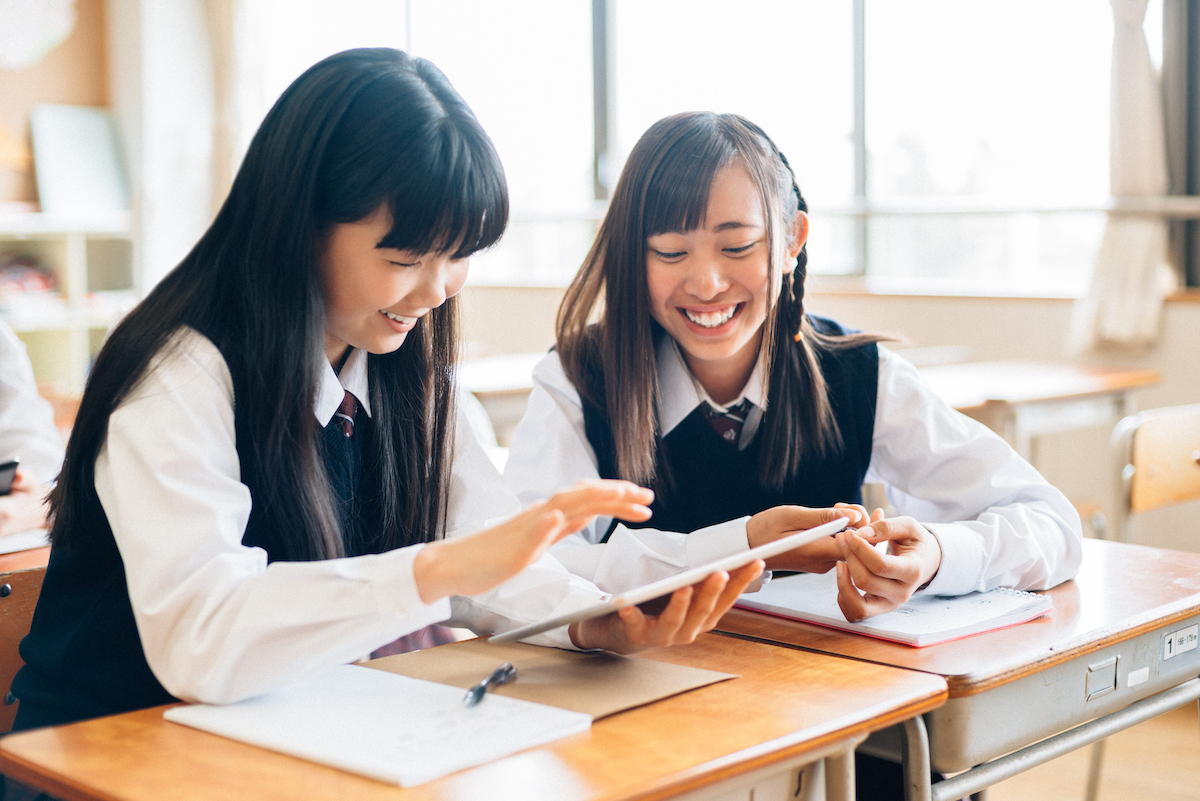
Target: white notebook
[(25, 540), (383, 725), (922, 620)]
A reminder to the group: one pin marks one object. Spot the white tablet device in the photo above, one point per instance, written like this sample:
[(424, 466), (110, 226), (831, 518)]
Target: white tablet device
[(657, 589)]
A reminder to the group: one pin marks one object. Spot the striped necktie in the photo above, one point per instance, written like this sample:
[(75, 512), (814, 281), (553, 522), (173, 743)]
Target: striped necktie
[(345, 414), (727, 423)]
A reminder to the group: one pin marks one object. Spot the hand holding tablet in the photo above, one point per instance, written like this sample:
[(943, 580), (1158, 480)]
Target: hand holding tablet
[(668, 585)]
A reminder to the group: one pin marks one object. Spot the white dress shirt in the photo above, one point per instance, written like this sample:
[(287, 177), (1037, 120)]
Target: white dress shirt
[(216, 621), (26, 419), (998, 522)]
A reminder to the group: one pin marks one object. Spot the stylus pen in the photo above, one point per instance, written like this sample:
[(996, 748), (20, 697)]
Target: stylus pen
[(502, 675)]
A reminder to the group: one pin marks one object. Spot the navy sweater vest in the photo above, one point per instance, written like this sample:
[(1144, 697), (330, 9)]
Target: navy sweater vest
[(83, 656), (711, 481)]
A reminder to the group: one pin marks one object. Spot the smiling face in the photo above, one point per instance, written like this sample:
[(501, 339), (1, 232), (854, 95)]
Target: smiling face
[(374, 296), (711, 287)]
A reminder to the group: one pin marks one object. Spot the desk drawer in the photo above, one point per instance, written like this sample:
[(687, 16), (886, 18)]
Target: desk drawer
[(970, 730)]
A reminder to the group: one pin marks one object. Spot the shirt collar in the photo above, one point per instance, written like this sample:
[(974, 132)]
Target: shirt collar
[(333, 386), (679, 393)]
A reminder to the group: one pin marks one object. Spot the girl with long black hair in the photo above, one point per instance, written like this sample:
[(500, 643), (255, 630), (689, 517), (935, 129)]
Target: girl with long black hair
[(686, 362), (267, 476)]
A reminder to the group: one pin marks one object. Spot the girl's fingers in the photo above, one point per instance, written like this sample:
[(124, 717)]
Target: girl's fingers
[(886, 565), (851, 544), (620, 499), (633, 618), (738, 581), (853, 607), (857, 606), (856, 512), (672, 618), (704, 603), (878, 574)]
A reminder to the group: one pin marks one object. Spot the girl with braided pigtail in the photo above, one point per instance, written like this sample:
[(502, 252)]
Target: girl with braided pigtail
[(687, 362)]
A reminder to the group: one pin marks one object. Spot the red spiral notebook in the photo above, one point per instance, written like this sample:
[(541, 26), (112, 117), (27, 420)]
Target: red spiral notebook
[(922, 620)]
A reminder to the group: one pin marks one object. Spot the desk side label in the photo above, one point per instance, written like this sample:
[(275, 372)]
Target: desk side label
[(1180, 642)]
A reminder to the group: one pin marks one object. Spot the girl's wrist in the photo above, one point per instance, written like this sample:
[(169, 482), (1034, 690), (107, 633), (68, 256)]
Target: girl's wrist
[(573, 631), (430, 572)]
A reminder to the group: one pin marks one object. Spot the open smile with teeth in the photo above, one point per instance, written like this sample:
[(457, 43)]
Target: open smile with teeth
[(712, 319), (398, 318)]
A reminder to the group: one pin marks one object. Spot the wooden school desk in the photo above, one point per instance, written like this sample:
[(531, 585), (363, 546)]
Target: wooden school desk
[(23, 560), (1119, 648), (788, 709), (1021, 401)]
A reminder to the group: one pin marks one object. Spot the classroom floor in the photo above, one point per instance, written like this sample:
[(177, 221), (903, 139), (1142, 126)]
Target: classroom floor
[(1158, 760)]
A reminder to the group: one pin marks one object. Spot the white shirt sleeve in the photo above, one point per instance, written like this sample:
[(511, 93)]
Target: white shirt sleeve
[(217, 623), (999, 523), (26, 419), (479, 497), (550, 451)]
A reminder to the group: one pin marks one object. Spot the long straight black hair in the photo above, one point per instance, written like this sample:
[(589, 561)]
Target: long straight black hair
[(663, 187), (360, 130)]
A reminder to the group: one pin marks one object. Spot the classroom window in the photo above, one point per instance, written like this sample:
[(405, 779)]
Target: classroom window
[(942, 146)]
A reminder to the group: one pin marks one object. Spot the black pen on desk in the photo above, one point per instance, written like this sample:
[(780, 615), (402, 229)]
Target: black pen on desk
[(502, 675)]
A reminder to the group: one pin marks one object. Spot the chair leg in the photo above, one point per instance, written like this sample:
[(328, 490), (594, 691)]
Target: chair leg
[(1095, 766)]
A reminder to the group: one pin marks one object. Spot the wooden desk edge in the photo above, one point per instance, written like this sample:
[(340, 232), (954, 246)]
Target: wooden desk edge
[(1116, 381), (16, 767), (792, 748), (771, 753), (23, 560), (967, 684), (962, 685)]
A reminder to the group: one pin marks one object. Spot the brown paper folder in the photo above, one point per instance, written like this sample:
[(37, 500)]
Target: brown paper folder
[(599, 684)]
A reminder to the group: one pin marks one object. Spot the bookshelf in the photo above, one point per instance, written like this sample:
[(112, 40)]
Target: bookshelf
[(91, 257)]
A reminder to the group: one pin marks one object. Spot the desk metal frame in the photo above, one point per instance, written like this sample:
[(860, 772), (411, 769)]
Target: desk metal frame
[(1098, 664), (917, 752)]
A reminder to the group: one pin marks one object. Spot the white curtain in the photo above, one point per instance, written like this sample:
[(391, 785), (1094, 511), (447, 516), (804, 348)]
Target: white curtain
[(222, 17), (1125, 301)]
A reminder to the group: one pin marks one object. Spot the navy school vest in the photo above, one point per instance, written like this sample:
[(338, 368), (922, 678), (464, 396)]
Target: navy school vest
[(711, 481), (83, 656)]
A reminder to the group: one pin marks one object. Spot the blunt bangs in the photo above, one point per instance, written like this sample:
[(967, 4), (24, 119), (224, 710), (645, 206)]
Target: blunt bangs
[(408, 141), (696, 146), (455, 200), (677, 192)]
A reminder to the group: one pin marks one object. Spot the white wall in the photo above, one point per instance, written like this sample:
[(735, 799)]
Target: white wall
[(160, 70), (517, 319)]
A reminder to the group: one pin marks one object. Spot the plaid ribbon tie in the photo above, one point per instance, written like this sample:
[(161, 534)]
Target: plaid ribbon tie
[(345, 414), (728, 423)]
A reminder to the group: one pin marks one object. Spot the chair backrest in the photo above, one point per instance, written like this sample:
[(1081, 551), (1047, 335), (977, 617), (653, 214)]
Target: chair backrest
[(1157, 456), (19, 591)]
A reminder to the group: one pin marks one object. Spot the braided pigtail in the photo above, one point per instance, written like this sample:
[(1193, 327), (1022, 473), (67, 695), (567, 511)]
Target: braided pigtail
[(793, 286)]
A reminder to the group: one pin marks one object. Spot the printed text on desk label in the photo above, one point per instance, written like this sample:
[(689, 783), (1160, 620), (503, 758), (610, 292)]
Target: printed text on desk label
[(1178, 642)]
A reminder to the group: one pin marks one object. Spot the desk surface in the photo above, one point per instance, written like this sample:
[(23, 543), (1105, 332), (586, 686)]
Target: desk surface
[(786, 705), (1122, 590), (973, 385), (23, 560)]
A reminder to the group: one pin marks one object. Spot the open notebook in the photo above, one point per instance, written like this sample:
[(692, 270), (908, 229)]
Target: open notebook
[(389, 727), (922, 620)]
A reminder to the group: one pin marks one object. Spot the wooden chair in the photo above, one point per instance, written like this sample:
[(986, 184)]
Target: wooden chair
[(19, 591), (1156, 455)]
